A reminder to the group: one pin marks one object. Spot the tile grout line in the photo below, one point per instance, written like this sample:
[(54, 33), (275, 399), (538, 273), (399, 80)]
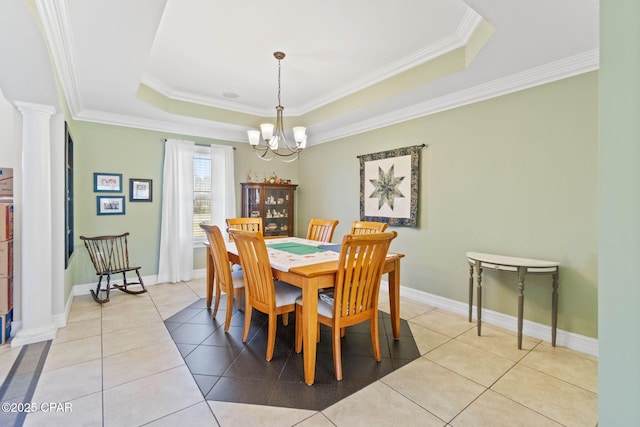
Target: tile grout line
[(102, 363), (516, 363), (164, 323)]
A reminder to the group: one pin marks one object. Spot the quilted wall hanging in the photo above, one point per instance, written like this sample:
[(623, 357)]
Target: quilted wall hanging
[(389, 186)]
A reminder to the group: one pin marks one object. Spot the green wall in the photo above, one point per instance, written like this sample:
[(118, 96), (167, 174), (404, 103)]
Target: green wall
[(513, 175), (136, 153), (619, 266)]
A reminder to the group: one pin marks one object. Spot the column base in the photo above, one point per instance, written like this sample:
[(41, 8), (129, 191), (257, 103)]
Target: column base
[(30, 336)]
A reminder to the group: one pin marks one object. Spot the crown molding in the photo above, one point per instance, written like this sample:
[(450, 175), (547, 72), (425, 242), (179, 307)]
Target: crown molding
[(171, 93), (455, 40), (459, 38), (55, 22), (558, 70), (468, 25), (214, 131)]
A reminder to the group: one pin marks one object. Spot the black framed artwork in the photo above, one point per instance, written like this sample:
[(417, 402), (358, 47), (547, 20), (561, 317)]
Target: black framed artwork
[(140, 190)]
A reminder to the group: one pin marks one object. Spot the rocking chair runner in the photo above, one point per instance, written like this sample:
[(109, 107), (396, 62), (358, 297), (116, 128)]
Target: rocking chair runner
[(109, 255)]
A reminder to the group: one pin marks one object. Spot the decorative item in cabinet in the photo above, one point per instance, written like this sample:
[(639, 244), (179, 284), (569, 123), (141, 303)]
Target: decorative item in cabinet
[(271, 202)]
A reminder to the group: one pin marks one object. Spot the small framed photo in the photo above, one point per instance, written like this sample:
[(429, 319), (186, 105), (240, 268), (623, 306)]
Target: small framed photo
[(107, 182), (140, 190), (110, 205)]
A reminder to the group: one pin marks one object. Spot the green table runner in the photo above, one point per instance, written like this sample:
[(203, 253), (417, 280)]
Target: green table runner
[(296, 248)]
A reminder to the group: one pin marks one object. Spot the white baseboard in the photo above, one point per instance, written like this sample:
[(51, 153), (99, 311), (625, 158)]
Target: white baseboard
[(566, 339), (60, 320), (85, 288)]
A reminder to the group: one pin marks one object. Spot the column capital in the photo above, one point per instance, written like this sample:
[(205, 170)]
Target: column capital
[(25, 107)]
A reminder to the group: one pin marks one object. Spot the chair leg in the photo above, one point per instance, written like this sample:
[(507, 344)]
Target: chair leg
[(140, 281), (217, 302), (299, 328), (227, 320), (96, 294), (271, 336), (375, 339), (247, 322), (108, 285), (285, 319), (337, 352)]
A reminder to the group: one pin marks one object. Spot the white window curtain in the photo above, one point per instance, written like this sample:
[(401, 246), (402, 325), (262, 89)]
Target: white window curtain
[(223, 194), (176, 241)]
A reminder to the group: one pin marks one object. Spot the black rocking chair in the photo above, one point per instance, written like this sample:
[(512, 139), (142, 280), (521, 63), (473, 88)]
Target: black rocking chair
[(109, 255)]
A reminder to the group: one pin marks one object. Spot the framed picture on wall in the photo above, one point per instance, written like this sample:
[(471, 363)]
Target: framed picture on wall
[(140, 190), (110, 205), (107, 182), (389, 186)]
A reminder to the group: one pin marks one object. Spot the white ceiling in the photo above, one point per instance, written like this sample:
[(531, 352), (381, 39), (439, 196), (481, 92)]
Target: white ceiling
[(193, 52)]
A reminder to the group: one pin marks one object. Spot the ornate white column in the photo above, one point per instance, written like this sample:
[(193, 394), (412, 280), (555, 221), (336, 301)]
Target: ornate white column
[(37, 268)]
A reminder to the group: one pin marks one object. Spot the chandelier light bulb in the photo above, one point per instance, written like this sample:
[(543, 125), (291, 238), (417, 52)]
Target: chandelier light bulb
[(299, 133), (267, 131), (254, 137)]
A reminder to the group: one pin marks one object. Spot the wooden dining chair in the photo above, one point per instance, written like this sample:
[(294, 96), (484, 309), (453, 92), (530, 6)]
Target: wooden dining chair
[(366, 227), (227, 281), (321, 229), (261, 291), (246, 224), (355, 297)]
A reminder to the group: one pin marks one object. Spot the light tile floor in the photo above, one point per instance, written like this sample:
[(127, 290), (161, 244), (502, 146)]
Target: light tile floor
[(117, 366)]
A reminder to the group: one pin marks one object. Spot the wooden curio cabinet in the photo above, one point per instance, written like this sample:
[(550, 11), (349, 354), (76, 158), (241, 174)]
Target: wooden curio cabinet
[(271, 202)]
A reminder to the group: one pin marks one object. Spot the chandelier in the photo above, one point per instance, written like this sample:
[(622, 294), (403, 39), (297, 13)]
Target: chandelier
[(274, 143)]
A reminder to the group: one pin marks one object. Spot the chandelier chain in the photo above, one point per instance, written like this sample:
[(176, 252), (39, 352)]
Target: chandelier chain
[(279, 102)]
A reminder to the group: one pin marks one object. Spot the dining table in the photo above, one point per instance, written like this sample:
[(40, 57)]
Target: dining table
[(312, 265)]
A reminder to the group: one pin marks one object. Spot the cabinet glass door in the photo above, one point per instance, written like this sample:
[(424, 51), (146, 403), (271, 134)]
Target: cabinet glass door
[(252, 202), (276, 206)]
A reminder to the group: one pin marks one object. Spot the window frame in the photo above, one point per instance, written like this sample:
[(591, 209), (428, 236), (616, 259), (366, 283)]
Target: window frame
[(201, 151)]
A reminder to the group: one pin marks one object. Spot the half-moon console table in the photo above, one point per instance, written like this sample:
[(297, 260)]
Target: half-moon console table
[(521, 266)]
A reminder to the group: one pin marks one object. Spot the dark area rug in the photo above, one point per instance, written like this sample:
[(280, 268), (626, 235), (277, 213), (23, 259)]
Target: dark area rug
[(226, 369)]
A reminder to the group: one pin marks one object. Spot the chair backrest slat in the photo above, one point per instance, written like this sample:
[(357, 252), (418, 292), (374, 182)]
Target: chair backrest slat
[(245, 224), (321, 229), (365, 227), (220, 257), (108, 253), (256, 269), (360, 266)]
